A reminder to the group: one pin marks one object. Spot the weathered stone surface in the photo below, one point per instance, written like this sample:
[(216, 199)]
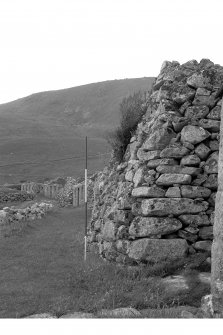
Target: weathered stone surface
[(153, 226), (187, 236), (202, 91), (109, 231), (215, 113), (203, 246), (198, 80), (178, 123), (173, 192), (202, 151), (214, 145), (149, 192), (129, 175), (174, 151), (206, 233), (122, 246), (212, 182), (211, 165), (194, 134), (159, 139), (133, 148), (174, 206), (167, 179), (197, 112), (188, 191), (156, 250), (188, 145), (162, 161), (182, 94), (178, 169), (210, 125), (191, 229), (148, 155), (200, 100), (122, 216), (212, 199), (194, 220), (190, 160), (138, 177)]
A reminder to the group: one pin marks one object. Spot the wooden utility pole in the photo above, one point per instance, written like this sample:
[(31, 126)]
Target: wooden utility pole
[(85, 200), (217, 246)]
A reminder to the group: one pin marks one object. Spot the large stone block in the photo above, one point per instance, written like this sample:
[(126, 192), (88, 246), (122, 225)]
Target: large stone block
[(211, 165), (174, 206), (182, 93), (198, 112), (211, 182), (173, 192), (190, 160), (187, 236), (167, 179), (159, 139), (203, 246), (157, 250), (148, 155), (194, 134), (193, 192), (206, 233), (174, 151), (211, 125), (198, 80), (202, 151), (153, 226), (138, 177), (148, 192), (215, 113), (178, 169), (161, 161), (109, 231)]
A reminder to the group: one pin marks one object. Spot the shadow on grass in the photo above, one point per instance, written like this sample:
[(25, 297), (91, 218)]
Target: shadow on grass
[(110, 286)]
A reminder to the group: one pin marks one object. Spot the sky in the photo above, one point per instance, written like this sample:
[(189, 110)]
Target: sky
[(55, 44)]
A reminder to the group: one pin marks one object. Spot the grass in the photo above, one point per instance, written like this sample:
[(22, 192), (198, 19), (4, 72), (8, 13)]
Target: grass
[(42, 270)]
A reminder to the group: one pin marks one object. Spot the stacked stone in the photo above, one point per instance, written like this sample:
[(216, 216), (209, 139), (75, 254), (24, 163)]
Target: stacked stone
[(13, 220), (15, 195), (163, 194), (65, 195)]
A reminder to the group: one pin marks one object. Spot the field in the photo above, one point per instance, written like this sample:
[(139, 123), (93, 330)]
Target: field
[(42, 270)]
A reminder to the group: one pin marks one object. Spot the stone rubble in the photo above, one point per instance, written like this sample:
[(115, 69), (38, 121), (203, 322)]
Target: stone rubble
[(165, 188), (14, 220)]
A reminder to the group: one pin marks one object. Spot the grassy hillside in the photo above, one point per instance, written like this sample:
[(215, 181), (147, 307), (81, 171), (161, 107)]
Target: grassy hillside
[(52, 125)]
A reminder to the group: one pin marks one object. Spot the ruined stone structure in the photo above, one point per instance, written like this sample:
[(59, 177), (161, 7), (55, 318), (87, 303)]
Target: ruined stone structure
[(159, 203), (48, 190)]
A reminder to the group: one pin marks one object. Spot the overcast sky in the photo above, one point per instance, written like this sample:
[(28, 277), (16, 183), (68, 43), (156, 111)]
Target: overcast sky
[(55, 44)]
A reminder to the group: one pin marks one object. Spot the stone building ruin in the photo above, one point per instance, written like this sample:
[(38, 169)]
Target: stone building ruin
[(159, 203)]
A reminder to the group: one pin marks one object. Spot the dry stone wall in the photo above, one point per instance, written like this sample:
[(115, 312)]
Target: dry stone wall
[(13, 220), (159, 203)]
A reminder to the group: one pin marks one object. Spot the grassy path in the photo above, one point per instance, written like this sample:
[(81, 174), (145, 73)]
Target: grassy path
[(37, 265)]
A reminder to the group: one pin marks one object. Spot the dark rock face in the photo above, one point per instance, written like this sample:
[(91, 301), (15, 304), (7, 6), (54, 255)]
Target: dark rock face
[(159, 203)]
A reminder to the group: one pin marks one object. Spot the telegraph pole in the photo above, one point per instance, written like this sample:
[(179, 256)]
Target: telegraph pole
[(85, 231)]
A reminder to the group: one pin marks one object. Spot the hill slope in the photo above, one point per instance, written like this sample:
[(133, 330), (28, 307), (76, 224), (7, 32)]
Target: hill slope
[(52, 125)]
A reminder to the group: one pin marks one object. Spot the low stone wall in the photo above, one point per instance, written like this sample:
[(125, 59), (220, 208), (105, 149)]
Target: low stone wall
[(13, 220), (15, 196)]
